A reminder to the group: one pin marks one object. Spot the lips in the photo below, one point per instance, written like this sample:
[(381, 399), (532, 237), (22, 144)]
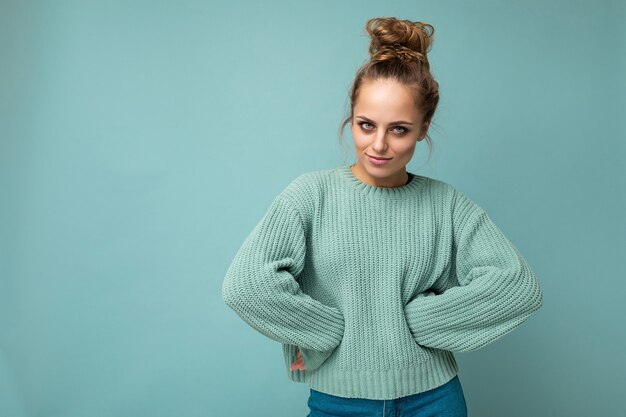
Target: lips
[(378, 157), (378, 161)]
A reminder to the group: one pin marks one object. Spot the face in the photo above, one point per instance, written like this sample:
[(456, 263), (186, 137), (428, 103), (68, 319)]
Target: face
[(386, 125)]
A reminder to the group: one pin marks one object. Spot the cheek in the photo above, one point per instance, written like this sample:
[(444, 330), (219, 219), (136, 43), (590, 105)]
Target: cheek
[(360, 140), (409, 149)]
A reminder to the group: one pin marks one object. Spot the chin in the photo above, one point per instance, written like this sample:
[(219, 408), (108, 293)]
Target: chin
[(380, 172)]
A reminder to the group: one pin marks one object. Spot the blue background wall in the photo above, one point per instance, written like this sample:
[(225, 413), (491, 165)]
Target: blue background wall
[(142, 141)]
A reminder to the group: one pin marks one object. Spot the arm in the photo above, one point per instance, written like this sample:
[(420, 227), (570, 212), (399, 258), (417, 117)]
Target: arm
[(497, 292), (261, 286)]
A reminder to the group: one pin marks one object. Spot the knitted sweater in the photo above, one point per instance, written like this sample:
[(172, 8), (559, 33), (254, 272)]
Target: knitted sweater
[(378, 286)]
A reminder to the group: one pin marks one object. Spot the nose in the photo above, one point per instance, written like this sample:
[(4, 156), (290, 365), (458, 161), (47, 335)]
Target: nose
[(380, 142)]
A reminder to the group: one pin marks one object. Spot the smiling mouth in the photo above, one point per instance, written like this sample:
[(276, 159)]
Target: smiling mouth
[(376, 157)]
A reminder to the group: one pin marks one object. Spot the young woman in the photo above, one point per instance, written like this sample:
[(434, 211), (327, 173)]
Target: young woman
[(371, 276)]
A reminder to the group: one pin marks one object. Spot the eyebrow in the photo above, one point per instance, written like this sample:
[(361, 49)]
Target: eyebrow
[(392, 123)]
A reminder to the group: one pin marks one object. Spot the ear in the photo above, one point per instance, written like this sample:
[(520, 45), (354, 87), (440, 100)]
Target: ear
[(425, 127)]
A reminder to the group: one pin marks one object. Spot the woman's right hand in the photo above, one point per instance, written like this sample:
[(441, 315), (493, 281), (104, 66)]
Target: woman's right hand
[(298, 363)]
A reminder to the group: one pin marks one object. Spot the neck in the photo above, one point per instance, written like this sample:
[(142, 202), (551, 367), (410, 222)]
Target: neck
[(402, 178)]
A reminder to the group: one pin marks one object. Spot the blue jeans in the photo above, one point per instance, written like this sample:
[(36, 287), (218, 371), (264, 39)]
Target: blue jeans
[(446, 400)]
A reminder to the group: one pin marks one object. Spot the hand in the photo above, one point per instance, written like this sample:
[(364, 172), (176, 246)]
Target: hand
[(298, 363)]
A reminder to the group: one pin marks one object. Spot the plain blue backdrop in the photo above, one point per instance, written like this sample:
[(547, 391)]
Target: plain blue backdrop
[(141, 141)]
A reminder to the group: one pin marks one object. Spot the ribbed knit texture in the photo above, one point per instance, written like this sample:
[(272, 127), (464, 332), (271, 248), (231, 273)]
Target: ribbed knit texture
[(378, 286)]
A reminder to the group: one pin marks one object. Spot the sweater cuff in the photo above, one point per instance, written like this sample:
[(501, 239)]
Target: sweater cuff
[(334, 327), (314, 358), (412, 315)]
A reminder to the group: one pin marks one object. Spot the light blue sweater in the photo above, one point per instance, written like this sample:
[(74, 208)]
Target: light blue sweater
[(378, 286)]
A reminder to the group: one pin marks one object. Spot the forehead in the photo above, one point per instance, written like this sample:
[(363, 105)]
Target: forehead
[(386, 99)]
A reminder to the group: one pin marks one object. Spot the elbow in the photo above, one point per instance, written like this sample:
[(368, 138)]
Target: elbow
[(241, 295), (533, 295), (232, 294), (228, 296), (237, 286), (536, 299), (524, 292)]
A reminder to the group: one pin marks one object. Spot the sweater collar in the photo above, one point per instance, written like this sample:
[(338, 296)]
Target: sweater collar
[(403, 191)]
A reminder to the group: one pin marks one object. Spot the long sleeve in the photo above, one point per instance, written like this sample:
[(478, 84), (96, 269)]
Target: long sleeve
[(491, 289), (261, 285)]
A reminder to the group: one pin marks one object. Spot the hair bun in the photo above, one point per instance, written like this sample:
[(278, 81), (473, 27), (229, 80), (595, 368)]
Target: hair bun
[(399, 39)]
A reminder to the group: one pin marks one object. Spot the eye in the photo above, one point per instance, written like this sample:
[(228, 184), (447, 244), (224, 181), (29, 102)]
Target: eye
[(402, 131), (362, 124)]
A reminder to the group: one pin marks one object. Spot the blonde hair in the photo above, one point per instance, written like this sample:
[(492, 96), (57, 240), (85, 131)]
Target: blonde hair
[(398, 50)]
